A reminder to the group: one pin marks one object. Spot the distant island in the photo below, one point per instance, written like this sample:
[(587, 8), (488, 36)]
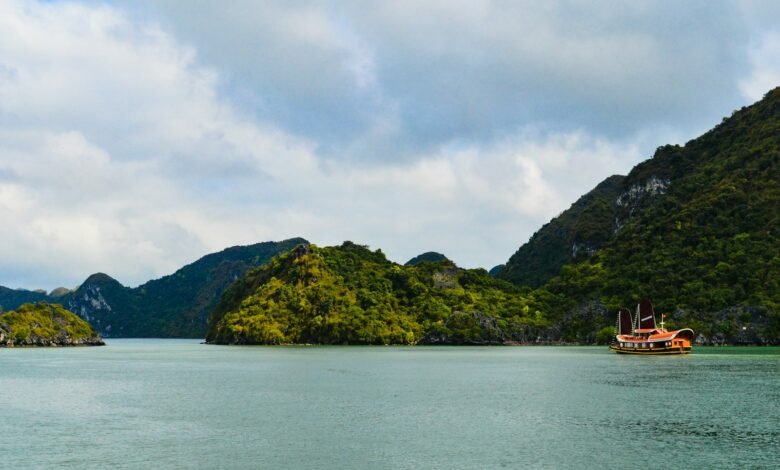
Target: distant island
[(45, 324)]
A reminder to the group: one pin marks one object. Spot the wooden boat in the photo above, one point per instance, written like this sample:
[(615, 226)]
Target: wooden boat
[(638, 334)]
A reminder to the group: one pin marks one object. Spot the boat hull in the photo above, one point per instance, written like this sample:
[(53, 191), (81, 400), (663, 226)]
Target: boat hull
[(663, 351)]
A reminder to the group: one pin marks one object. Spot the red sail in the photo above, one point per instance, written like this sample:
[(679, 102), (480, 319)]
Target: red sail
[(646, 315), (625, 322)]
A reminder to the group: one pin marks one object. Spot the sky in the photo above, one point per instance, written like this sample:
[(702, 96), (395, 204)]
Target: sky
[(137, 136)]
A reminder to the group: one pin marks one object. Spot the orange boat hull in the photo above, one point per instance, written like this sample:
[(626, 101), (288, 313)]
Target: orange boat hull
[(663, 351)]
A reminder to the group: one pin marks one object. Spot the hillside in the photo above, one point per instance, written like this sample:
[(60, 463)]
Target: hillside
[(352, 295), (577, 233), (45, 324), (177, 305), (696, 228), (13, 298), (113, 309)]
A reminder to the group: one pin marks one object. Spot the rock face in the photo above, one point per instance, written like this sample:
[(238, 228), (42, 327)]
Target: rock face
[(467, 328), (639, 196), (739, 325), (46, 324)]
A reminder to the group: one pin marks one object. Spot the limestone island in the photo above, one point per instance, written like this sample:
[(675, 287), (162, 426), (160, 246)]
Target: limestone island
[(45, 324)]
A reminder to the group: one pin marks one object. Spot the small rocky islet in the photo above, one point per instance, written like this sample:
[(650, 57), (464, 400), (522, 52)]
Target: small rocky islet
[(45, 325)]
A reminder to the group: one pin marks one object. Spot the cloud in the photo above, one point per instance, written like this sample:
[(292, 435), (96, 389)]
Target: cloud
[(300, 65), (136, 137), (118, 150), (442, 70), (764, 73), (475, 203)]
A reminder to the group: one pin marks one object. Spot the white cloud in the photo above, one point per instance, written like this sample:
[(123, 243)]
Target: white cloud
[(120, 148), (476, 203), (446, 70), (764, 73), (126, 146)]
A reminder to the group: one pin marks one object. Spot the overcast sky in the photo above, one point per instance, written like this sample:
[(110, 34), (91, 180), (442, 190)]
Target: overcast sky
[(138, 136)]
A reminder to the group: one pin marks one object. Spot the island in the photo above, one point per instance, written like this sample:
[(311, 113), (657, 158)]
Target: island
[(48, 325), (350, 294)]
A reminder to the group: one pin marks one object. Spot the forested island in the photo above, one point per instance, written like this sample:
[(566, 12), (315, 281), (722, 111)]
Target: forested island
[(695, 228), (352, 295), (45, 324)]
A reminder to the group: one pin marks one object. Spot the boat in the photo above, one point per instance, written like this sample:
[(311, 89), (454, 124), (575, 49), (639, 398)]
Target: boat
[(638, 334)]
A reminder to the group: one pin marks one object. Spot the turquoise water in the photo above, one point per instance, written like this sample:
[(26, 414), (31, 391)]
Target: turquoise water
[(180, 404)]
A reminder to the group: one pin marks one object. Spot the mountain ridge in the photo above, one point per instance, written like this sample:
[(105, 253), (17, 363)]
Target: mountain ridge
[(176, 305)]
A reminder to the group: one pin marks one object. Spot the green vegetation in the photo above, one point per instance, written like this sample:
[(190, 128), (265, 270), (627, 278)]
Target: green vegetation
[(352, 295), (706, 248), (572, 236), (45, 324), (179, 305), (173, 306), (13, 298)]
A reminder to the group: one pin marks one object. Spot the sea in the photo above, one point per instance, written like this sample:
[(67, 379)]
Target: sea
[(157, 403)]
